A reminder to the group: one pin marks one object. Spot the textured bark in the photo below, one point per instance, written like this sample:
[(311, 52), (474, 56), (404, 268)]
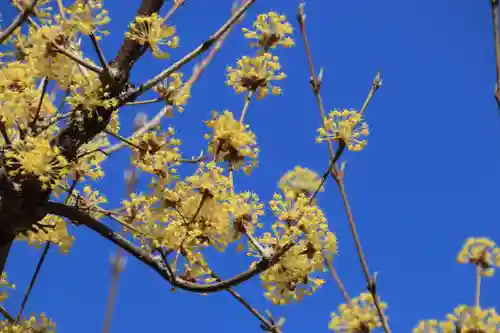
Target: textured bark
[(21, 199)]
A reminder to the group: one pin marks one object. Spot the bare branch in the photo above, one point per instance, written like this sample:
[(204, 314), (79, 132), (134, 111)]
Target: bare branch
[(266, 323), (18, 21), (333, 170), (7, 315), (33, 280), (496, 40)]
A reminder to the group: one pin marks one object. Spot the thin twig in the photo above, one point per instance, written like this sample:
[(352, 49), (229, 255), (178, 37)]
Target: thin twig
[(248, 98), (99, 52), (33, 280), (174, 8), (152, 123), (338, 281), (18, 21), (67, 53), (477, 301), (7, 315), (371, 283), (496, 37), (123, 139), (376, 83), (79, 217), (118, 260), (316, 81), (117, 266), (260, 317), (149, 101), (45, 83)]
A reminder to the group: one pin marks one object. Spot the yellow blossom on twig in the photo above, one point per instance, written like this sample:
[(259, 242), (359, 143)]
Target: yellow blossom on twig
[(463, 320), (271, 29), (174, 92), (232, 141), (255, 74), (87, 15), (344, 125), (358, 317), (149, 31), (481, 252), (299, 181)]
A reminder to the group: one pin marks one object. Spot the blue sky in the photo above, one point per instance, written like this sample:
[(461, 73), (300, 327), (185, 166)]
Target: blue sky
[(425, 183)]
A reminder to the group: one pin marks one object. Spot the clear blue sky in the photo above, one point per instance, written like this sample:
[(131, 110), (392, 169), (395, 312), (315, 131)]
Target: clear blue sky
[(425, 183)]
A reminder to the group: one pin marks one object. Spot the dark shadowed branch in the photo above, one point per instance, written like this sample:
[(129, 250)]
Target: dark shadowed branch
[(156, 263)]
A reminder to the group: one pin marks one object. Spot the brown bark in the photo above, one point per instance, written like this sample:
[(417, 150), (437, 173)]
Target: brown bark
[(21, 199)]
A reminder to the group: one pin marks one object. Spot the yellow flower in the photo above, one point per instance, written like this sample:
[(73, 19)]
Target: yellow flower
[(299, 180), (6, 284), (472, 319), (36, 156), (359, 316), (174, 92), (306, 227), (158, 154), (255, 74), (344, 125), (270, 30), (232, 141), (149, 31), (88, 93), (87, 15), (482, 252), (32, 324), (18, 94), (42, 55), (54, 230)]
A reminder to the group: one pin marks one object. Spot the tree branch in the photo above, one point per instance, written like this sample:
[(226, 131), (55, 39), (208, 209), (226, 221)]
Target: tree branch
[(18, 21), (77, 216)]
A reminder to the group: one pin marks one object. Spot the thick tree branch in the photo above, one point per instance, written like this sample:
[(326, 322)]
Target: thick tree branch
[(156, 263), (131, 50)]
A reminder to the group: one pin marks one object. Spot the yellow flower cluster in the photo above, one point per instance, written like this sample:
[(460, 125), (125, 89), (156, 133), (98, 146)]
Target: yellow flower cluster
[(32, 324), (158, 153), (4, 283), (88, 94), (54, 230), (481, 252), (271, 29), (255, 74), (304, 225), (36, 156), (90, 157), (231, 141), (345, 125), (151, 31), (299, 181), (86, 16), (174, 92), (194, 214), (464, 320), (358, 316), (39, 52), (18, 95)]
